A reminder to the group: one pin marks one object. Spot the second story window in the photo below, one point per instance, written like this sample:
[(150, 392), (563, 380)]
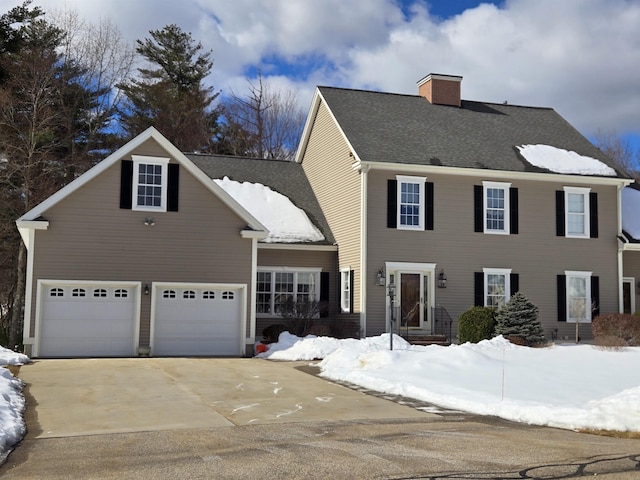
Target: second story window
[(496, 207), (410, 203), (150, 183), (576, 213)]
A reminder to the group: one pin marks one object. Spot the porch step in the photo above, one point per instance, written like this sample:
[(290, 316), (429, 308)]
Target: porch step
[(416, 339)]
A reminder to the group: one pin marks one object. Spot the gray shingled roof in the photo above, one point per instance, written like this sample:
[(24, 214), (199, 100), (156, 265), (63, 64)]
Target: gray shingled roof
[(284, 177), (385, 127)]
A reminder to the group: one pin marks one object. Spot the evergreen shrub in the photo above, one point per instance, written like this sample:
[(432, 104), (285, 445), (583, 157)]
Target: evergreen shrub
[(476, 324), (518, 318)]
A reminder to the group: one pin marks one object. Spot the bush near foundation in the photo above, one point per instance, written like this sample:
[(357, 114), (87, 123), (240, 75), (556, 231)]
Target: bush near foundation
[(616, 330), (518, 321), (476, 324)]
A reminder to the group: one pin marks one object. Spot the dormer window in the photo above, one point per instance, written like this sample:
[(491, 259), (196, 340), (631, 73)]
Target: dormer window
[(150, 183)]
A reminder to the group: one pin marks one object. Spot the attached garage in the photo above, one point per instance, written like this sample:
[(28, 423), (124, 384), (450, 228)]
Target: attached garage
[(87, 319), (197, 319)]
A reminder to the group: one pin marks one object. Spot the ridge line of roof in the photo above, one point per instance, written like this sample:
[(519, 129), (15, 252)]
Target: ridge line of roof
[(243, 157), (418, 96)]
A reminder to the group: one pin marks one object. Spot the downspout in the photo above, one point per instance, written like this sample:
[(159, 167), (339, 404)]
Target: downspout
[(620, 251), (252, 294), (364, 177)]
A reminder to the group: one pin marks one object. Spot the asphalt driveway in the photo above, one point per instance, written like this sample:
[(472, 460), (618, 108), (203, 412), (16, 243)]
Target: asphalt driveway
[(188, 418), (97, 396)]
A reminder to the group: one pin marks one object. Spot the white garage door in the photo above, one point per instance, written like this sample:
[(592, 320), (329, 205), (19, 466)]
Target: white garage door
[(197, 320), (87, 320)]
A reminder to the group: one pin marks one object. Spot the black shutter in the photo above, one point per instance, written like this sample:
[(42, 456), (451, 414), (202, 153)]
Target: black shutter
[(126, 184), (428, 210), (324, 294), (513, 210), (351, 283), (173, 181), (560, 213), (478, 208), (515, 283), (478, 289), (562, 298), (392, 204), (593, 214), (595, 296)]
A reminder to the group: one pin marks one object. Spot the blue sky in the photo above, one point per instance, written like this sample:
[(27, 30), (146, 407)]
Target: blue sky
[(581, 57)]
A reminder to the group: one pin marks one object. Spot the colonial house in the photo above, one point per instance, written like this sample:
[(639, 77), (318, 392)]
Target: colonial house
[(458, 203), (400, 212)]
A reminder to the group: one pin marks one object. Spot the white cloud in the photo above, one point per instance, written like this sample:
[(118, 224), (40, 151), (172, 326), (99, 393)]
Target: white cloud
[(581, 57)]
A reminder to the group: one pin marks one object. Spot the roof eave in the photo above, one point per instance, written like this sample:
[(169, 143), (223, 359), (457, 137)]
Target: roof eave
[(483, 172)]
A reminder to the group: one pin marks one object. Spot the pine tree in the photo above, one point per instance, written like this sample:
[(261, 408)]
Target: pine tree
[(170, 94), (519, 317)]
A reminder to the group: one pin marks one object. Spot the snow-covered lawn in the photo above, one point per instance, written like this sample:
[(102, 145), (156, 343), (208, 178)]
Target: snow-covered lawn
[(12, 427), (565, 386)]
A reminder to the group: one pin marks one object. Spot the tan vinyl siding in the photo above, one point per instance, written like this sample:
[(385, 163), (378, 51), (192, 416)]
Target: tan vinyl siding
[(91, 238), (535, 253), (328, 165)]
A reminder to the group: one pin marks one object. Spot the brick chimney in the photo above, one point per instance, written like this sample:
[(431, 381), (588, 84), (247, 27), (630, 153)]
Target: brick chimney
[(440, 89)]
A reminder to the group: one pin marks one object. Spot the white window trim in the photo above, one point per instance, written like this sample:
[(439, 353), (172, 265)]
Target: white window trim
[(144, 160), (345, 290), (295, 271), (587, 277), (507, 282), (587, 208), (411, 179), (502, 186), (632, 282)]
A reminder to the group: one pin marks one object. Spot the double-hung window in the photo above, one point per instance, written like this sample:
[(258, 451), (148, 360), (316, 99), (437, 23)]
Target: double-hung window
[(411, 202), (496, 207), (280, 289), (149, 183), (497, 286), (578, 296), (576, 212)]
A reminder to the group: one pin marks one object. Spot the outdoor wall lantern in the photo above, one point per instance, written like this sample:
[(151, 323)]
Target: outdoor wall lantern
[(380, 280), (442, 279), (146, 289)]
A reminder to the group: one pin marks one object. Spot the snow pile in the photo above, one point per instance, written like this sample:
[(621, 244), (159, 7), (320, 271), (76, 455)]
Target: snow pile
[(566, 386), (564, 161), (286, 222), (12, 404), (631, 212)]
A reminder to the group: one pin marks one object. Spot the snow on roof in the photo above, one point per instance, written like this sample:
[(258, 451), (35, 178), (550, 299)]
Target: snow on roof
[(631, 212), (286, 222), (564, 161)]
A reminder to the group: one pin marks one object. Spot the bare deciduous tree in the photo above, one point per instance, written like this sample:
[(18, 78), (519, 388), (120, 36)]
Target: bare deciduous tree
[(620, 151), (266, 123)]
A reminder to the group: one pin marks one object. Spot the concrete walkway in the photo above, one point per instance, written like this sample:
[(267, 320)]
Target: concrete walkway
[(97, 396)]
